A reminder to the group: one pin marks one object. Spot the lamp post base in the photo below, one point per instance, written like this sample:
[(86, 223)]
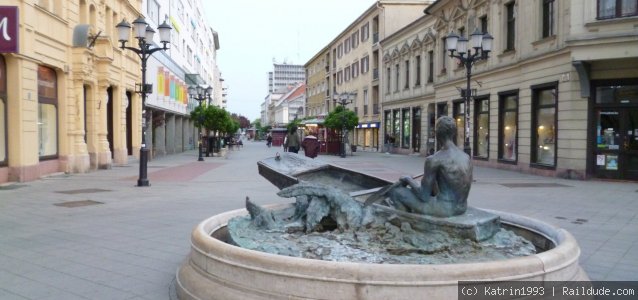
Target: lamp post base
[(200, 158), (143, 179)]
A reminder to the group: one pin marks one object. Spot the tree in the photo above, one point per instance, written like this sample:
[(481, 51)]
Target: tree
[(340, 118), (243, 121)]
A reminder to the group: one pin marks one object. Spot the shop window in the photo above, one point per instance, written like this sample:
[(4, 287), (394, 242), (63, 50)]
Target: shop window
[(458, 112), (405, 134), (544, 109), (508, 126), (482, 128), (396, 127), (47, 113), (387, 119), (3, 112), (617, 94)]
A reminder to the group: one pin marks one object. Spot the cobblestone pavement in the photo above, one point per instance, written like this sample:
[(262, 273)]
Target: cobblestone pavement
[(97, 236)]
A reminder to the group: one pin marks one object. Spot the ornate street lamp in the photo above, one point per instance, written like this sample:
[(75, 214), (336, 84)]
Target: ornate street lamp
[(200, 94), (144, 35), (482, 45), (344, 99)]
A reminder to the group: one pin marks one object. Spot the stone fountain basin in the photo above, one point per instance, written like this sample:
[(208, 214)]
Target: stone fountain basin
[(215, 269)]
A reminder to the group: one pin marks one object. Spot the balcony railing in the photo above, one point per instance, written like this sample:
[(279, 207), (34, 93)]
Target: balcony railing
[(375, 109), (375, 74)]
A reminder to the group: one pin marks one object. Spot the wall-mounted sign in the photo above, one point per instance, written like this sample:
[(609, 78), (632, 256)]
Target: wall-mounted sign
[(8, 29)]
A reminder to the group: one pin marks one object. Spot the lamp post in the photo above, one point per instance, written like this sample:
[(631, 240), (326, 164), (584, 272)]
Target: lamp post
[(482, 45), (344, 99), (144, 35), (200, 94)]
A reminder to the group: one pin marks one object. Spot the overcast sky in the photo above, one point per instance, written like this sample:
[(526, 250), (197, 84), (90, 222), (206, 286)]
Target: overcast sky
[(254, 32)]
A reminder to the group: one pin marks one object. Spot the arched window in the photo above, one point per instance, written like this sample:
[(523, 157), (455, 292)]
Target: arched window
[(47, 113), (92, 16)]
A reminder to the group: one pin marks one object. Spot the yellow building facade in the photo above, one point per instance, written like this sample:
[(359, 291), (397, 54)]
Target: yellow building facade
[(68, 91), (558, 95)]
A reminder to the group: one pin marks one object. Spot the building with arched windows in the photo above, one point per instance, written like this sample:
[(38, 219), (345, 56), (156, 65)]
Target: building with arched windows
[(68, 100), (558, 95)]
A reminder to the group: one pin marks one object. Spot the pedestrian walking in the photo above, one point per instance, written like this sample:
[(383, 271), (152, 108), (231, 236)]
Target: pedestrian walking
[(292, 140), (269, 140)]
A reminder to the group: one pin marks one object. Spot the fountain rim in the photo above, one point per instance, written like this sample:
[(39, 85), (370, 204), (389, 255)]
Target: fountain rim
[(564, 253)]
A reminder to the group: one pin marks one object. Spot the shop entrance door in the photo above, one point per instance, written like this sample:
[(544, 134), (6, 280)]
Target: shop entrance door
[(616, 154)]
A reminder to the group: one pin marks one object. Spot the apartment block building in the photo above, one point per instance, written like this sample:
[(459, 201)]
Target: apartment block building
[(285, 75), (558, 95), (353, 58)]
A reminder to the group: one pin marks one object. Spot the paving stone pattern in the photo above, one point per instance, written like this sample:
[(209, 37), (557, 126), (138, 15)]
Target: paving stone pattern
[(130, 246)]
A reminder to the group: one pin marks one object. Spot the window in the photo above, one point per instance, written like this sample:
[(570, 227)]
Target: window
[(365, 32), (405, 137), (417, 80), (396, 80), (339, 50), (365, 65), (544, 100), (548, 18), (482, 127), (510, 26), (340, 77), (443, 56), (508, 126), (355, 69), (387, 81), (484, 29), (347, 73), (47, 113), (365, 102), (355, 39), (3, 112), (346, 45), (431, 66), (153, 11), (609, 9), (458, 112), (407, 75)]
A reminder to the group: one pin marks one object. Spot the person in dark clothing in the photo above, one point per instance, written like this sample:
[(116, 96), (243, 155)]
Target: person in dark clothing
[(292, 140), (311, 146), (269, 140)]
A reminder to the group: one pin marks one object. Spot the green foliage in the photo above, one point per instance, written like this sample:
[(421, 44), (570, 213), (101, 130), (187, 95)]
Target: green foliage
[(198, 115), (214, 119), (295, 123), (341, 117)]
